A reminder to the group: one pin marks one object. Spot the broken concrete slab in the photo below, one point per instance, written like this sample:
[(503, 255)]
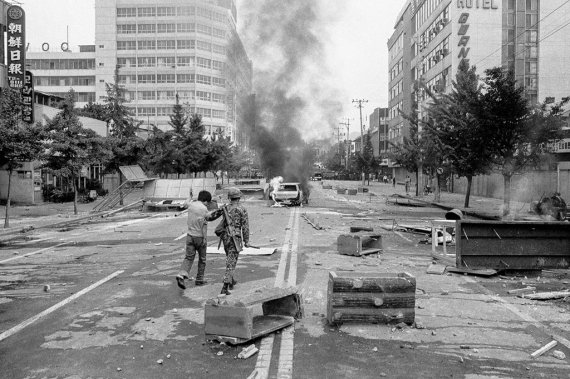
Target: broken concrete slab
[(436, 269)]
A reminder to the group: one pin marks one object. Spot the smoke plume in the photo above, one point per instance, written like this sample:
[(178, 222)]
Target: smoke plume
[(295, 97)]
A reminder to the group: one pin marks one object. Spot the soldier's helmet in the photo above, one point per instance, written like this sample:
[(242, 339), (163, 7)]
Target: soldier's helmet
[(234, 193)]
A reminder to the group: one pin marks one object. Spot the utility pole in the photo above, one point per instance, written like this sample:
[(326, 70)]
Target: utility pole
[(359, 102), (337, 131), (347, 125)]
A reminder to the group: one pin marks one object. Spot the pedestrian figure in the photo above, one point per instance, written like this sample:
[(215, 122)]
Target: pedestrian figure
[(385, 179), (196, 238), (408, 182), (394, 182), (233, 230)]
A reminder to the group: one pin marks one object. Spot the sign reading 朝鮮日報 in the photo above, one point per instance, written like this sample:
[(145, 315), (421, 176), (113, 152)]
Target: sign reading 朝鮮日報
[(16, 46)]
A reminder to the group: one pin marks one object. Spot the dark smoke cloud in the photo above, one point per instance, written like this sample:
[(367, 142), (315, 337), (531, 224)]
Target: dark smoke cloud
[(295, 100)]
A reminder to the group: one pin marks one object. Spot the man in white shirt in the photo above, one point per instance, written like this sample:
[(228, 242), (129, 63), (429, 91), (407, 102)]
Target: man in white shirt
[(196, 238)]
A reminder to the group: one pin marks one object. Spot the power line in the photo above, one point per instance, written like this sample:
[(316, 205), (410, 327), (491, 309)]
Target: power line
[(545, 37), (521, 33)]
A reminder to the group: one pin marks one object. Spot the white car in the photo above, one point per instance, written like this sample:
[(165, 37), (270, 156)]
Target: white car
[(288, 194)]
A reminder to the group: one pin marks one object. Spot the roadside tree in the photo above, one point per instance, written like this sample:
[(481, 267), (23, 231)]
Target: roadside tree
[(366, 162), (71, 147), (19, 142)]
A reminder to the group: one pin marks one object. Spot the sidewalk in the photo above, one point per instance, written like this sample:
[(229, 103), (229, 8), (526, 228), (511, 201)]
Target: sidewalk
[(484, 207)]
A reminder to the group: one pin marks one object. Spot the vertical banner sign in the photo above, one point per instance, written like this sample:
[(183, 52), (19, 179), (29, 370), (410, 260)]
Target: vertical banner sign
[(28, 98), (16, 46)]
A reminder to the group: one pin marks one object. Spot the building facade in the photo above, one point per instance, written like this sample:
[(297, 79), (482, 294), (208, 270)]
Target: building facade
[(431, 38), (159, 50)]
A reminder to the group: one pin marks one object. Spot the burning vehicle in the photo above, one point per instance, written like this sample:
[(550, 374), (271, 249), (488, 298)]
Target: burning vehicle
[(553, 206), (288, 194)]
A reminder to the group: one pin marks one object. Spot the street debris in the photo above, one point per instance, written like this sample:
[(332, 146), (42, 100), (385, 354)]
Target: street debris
[(359, 244), (47, 288), (558, 355), (247, 352), (467, 271), (553, 206), (521, 290), (436, 269), (160, 361), (546, 295), (168, 356), (220, 353), (544, 349), (313, 223)]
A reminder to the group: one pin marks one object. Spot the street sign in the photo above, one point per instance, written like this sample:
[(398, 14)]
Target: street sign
[(28, 98), (16, 46)]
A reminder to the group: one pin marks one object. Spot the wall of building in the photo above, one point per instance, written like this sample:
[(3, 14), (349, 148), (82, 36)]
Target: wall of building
[(22, 189)]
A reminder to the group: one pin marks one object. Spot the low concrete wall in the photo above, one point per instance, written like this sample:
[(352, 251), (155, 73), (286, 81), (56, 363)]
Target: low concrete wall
[(22, 189)]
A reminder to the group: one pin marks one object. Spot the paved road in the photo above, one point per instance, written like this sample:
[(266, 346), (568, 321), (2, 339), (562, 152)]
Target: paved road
[(113, 309)]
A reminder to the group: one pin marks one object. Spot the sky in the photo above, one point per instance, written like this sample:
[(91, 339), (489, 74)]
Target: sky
[(352, 60)]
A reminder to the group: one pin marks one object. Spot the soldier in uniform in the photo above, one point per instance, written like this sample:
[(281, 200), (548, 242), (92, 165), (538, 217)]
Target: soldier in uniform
[(239, 224)]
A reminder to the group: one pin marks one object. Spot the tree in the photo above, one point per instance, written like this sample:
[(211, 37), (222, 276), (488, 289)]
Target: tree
[(221, 155), (19, 142), (71, 146), (518, 136), (457, 129), (127, 148), (366, 162), (94, 110), (193, 146), (178, 118)]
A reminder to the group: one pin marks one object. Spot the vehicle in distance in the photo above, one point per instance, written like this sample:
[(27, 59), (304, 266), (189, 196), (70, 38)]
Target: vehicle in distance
[(288, 194), (317, 177)]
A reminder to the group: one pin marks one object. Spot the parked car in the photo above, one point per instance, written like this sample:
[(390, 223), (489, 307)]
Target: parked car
[(288, 194), (317, 177)]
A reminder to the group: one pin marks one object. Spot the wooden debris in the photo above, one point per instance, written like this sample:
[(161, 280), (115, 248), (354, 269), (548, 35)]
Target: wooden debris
[(459, 270), (544, 349), (313, 223), (436, 269), (247, 352), (359, 244), (546, 295), (356, 229), (521, 290)]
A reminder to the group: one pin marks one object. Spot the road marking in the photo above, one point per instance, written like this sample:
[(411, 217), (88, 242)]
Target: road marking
[(35, 318), (34, 252), (262, 364)]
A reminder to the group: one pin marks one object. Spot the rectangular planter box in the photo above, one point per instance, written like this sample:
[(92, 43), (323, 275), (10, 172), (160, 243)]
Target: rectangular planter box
[(371, 297), (352, 192), (359, 244), (341, 191), (327, 186), (362, 189)]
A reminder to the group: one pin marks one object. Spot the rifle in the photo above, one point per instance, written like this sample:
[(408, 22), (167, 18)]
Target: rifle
[(231, 230)]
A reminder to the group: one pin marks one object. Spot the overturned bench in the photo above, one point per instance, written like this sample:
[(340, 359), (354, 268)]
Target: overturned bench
[(359, 244), (236, 320)]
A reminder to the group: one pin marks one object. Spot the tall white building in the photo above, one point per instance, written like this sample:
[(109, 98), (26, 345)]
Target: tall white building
[(160, 49)]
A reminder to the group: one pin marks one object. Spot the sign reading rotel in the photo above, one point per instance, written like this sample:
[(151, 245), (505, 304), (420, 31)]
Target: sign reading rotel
[(16, 46)]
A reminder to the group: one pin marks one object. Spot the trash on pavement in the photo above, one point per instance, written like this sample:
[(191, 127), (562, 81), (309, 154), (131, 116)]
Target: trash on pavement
[(544, 349)]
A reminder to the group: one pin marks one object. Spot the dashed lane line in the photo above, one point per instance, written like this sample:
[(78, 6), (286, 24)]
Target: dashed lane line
[(41, 315)]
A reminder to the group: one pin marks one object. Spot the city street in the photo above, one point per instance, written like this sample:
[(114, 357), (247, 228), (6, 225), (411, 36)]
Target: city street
[(99, 300)]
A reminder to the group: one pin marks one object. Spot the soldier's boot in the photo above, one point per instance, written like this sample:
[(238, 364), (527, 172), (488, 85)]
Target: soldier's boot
[(225, 289), (232, 284)]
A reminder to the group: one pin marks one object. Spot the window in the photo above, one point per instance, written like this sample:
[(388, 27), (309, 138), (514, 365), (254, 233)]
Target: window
[(166, 11), (166, 44), (186, 95), (530, 68), (532, 36), (203, 62), (126, 12), (165, 95), (204, 29), (146, 62), (185, 44), (147, 95), (204, 112), (185, 78), (127, 79), (511, 51), (217, 65), (163, 111), (219, 17), (185, 61), (531, 82), (130, 95), (219, 82), (186, 11), (186, 27), (147, 45), (147, 28), (511, 19), (127, 62), (531, 20), (219, 49), (147, 12), (165, 78), (126, 28), (126, 45), (218, 114), (146, 111), (511, 35), (218, 33), (531, 52), (165, 62), (146, 78), (203, 79), (165, 28), (218, 98), (202, 45), (202, 95), (531, 5), (511, 4), (203, 12)]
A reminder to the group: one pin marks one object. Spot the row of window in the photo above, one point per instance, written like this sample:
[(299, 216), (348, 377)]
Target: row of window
[(426, 9), (64, 81), (79, 97), (183, 61), (434, 29), (171, 44), (531, 5), (61, 64), (171, 95), (166, 111), (395, 109), (170, 11), (397, 89), (397, 69), (188, 27), (172, 78)]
